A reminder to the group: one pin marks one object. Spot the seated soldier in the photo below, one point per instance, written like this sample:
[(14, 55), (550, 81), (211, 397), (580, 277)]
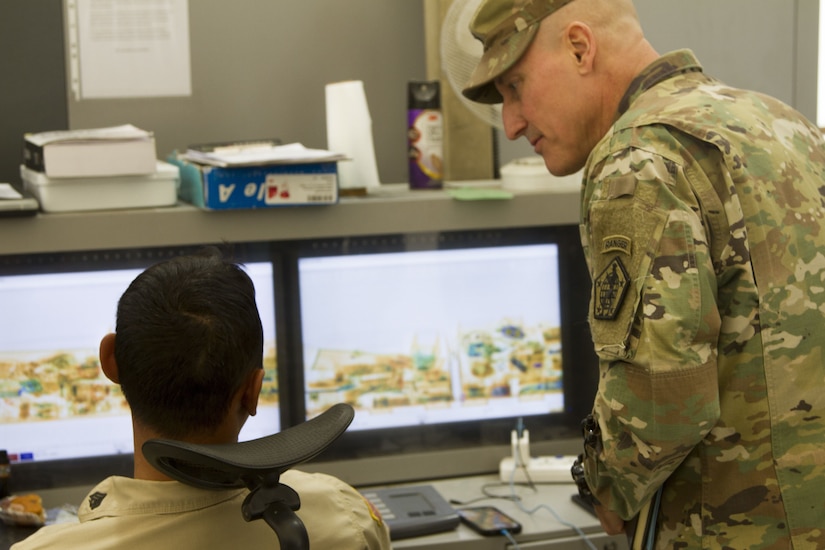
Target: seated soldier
[(187, 352)]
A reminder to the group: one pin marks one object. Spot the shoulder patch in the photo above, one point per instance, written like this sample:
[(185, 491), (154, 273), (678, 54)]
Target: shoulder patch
[(96, 499), (616, 243), (609, 289), (374, 513)]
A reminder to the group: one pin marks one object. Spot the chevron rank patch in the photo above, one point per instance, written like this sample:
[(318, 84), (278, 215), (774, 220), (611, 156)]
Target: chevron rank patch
[(609, 290), (96, 499)]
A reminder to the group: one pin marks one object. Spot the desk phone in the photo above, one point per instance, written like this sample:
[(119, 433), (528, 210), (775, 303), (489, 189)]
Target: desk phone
[(413, 511)]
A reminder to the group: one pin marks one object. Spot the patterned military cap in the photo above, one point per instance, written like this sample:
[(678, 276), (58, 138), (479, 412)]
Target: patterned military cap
[(506, 28)]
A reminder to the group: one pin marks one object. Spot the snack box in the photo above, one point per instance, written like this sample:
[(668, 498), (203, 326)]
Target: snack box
[(258, 186), (103, 192)]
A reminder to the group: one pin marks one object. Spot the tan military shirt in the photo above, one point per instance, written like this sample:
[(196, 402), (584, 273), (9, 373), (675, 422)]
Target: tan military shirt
[(123, 513), (704, 227)]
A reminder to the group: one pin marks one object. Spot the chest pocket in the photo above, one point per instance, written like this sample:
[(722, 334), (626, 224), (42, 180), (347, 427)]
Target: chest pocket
[(624, 236)]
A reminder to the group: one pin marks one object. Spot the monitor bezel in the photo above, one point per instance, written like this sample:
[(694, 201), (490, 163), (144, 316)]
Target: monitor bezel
[(579, 373), (87, 471)]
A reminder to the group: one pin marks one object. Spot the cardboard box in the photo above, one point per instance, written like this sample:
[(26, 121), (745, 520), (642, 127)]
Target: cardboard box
[(264, 186), (103, 193)]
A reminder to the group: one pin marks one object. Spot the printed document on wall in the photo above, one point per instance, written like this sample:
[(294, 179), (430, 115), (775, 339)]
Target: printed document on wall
[(129, 48)]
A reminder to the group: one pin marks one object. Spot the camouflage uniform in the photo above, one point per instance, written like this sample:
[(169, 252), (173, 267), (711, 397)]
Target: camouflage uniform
[(704, 227)]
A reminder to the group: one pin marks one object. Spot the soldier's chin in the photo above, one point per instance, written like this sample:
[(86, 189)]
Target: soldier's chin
[(560, 168)]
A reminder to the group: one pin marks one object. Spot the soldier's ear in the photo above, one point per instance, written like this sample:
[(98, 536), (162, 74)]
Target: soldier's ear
[(252, 390), (107, 358), (581, 45)]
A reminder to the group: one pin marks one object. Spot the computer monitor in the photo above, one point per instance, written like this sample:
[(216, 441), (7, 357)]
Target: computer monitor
[(444, 339), (56, 406)]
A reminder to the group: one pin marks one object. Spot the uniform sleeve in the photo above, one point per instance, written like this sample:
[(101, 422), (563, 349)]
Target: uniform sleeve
[(336, 515), (654, 323)]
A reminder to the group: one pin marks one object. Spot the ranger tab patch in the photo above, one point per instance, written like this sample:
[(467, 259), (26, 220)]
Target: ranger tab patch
[(609, 290), (616, 243)]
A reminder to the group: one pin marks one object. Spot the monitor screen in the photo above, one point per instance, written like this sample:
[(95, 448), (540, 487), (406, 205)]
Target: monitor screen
[(55, 403), (440, 340), (433, 336)]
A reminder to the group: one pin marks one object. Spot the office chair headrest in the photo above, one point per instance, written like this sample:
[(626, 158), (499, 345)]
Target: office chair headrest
[(247, 463)]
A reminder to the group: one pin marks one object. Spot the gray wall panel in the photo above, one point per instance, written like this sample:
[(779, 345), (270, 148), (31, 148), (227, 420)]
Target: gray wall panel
[(764, 45), (32, 97), (745, 43), (259, 69), (807, 57)]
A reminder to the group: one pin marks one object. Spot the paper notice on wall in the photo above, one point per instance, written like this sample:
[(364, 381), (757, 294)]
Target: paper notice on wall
[(128, 48)]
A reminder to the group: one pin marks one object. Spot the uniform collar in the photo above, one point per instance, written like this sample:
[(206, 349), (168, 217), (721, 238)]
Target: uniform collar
[(123, 496), (667, 66)]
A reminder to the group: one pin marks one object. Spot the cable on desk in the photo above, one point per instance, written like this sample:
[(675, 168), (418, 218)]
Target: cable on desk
[(530, 512), (510, 538), (485, 490), (522, 463)]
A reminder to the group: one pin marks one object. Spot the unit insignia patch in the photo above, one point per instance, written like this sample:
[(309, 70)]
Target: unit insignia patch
[(609, 290)]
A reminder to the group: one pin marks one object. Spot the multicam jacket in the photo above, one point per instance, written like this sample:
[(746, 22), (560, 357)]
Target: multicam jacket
[(703, 224)]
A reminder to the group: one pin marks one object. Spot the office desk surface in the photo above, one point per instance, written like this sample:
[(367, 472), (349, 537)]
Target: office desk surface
[(543, 514)]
